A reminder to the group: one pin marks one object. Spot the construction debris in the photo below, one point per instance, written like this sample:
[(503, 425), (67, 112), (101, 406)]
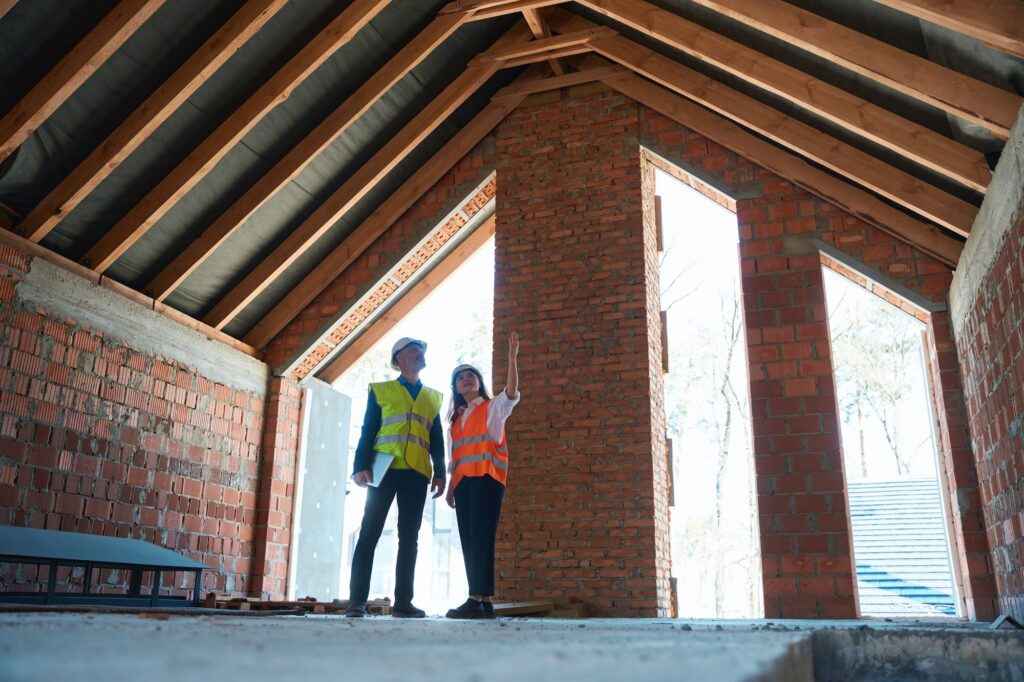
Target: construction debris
[(305, 605)]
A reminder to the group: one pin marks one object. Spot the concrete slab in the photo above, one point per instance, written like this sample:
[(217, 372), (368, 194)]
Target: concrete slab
[(114, 648)]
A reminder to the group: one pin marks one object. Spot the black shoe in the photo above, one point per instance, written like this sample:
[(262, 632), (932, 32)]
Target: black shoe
[(356, 610), (488, 609), (470, 610), (407, 611)]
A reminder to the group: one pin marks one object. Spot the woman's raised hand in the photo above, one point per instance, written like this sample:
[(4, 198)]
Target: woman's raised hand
[(513, 345)]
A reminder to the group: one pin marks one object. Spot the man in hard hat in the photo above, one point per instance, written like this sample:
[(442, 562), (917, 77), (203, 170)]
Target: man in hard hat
[(402, 420)]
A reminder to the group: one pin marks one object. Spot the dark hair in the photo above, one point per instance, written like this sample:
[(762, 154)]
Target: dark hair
[(458, 401)]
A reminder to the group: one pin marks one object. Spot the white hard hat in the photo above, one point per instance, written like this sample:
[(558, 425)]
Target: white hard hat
[(402, 343), (463, 368)]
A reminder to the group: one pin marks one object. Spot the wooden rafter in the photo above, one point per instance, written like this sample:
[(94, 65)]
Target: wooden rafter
[(6, 6), (303, 153), (997, 23), (540, 30), (568, 51), (554, 82), (66, 77), (960, 95), (790, 166), (488, 9), (542, 45), (390, 210), (203, 158), (157, 108), (864, 169), (356, 187), (407, 301), (939, 153)]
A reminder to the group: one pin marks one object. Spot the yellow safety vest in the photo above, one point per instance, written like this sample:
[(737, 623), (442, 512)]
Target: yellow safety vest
[(405, 424)]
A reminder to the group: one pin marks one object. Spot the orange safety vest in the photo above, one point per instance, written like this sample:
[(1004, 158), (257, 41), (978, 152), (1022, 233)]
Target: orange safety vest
[(473, 451)]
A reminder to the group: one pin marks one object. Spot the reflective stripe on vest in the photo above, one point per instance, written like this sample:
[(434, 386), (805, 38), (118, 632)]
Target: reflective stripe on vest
[(405, 424), (474, 453)]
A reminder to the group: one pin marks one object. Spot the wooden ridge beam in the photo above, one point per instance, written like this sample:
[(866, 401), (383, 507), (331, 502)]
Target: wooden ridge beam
[(385, 216), (997, 23), (68, 75), (299, 157), (210, 151), (540, 30), (407, 300), (150, 115), (850, 198), (949, 90), (930, 149), (356, 187), (926, 200)]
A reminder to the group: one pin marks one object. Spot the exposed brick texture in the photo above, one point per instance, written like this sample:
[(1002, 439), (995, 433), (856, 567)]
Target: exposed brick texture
[(805, 536), (585, 515), (991, 341), (359, 278), (96, 437)]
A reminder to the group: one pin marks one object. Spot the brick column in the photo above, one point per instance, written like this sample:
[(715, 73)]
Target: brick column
[(276, 489), (970, 544), (805, 528), (585, 515)]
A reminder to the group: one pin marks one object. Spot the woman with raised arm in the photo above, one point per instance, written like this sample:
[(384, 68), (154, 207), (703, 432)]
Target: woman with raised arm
[(479, 469)]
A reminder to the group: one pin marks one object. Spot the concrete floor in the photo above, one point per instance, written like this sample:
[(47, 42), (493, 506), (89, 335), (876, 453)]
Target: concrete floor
[(113, 647)]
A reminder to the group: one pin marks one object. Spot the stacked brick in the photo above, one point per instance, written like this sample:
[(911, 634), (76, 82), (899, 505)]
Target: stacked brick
[(805, 536), (98, 438), (992, 337), (585, 516)]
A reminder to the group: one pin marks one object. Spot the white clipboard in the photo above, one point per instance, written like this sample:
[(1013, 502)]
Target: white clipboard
[(381, 462)]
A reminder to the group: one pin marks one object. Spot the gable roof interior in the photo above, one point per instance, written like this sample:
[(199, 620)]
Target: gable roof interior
[(36, 34)]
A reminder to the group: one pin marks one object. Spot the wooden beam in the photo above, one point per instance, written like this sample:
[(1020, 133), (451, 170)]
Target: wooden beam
[(5, 6), (960, 95), (385, 216), (568, 51), (542, 45), (38, 251), (570, 79), (407, 302), (356, 187), (864, 169), (997, 23), (540, 30), (488, 9), (851, 199), (66, 77), (299, 157), (150, 115), (203, 158), (928, 148)]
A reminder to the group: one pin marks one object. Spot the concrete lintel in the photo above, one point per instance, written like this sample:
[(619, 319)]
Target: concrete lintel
[(876, 276), (999, 212), (69, 296)]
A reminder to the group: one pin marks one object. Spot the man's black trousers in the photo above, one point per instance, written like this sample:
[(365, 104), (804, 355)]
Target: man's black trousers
[(410, 487)]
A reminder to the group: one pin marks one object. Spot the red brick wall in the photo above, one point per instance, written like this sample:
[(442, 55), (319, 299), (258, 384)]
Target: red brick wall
[(374, 263), (96, 437), (585, 515), (991, 341), (804, 520)]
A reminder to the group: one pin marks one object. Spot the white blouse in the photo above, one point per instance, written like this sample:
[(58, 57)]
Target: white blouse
[(501, 408)]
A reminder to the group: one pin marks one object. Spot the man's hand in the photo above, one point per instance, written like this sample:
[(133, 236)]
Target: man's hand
[(362, 478), (437, 487)]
